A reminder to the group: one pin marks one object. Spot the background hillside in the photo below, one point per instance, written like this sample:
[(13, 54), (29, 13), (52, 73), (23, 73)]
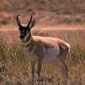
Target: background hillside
[(59, 11), (58, 6)]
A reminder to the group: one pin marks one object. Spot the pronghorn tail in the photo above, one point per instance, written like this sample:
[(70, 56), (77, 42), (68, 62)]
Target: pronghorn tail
[(64, 49), (65, 46)]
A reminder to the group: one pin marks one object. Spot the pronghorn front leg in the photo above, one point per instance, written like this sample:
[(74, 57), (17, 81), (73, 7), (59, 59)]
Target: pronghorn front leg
[(33, 71), (39, 68)]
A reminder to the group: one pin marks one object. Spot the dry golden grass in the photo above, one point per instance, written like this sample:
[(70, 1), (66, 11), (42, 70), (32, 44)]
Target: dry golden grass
[(15, 69)]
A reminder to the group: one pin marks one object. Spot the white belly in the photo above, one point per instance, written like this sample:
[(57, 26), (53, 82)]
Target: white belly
[(51, 54)]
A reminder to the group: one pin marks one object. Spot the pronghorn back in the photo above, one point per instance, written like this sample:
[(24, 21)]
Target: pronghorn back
[(51, 41)]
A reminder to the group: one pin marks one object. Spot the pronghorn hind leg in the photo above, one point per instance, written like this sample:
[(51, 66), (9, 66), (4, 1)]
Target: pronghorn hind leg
[(63, 67), (61, 60)]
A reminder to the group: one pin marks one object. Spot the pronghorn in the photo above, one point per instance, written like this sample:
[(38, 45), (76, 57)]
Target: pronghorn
[(42, 49)]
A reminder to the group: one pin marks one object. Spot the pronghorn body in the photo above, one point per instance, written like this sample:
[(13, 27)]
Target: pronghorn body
[(43, 49), (48, 48)]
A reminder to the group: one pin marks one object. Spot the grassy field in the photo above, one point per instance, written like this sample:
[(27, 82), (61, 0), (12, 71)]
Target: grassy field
[(15, 68)]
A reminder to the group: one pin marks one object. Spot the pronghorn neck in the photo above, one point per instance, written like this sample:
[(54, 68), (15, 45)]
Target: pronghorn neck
[(30, 44), (28, 40)]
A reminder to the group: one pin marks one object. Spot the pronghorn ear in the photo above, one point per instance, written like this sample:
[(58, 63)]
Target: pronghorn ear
[(18, 22)]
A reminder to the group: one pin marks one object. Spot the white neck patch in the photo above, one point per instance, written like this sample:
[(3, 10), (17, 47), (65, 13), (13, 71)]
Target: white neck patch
[(27, 40)]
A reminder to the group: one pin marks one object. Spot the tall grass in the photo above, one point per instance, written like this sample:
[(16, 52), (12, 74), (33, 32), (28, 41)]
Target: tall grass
[(15, 68)]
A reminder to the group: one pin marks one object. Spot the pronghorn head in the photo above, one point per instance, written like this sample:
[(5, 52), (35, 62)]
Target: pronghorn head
[(25, 30)]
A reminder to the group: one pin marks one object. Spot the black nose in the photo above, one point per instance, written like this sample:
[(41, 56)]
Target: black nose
[(21, 37)]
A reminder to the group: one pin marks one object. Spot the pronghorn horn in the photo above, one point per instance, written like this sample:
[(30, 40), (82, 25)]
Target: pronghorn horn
[(32, 24), (17, 19), (30, 21)]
